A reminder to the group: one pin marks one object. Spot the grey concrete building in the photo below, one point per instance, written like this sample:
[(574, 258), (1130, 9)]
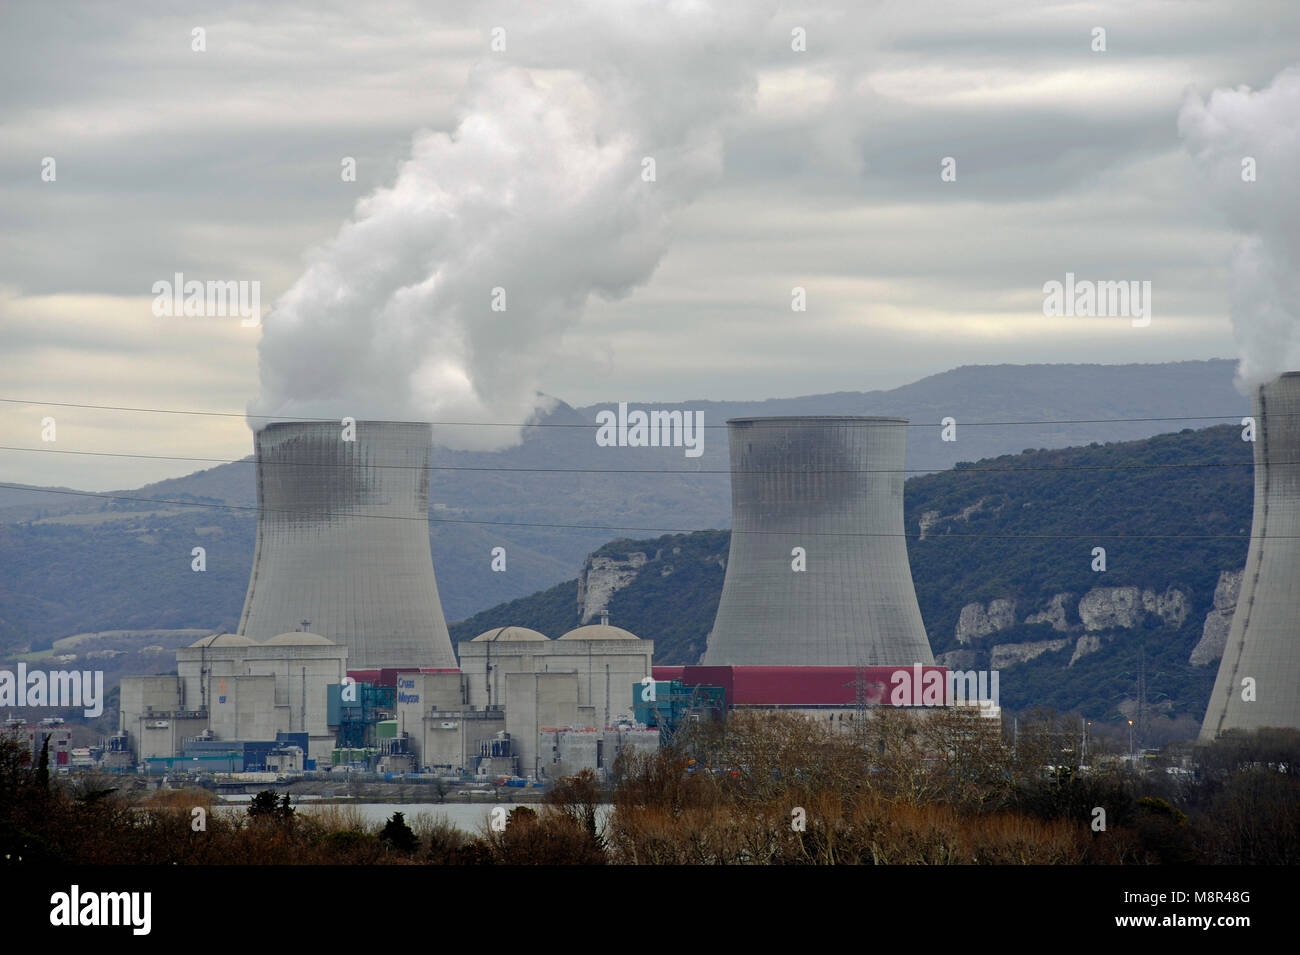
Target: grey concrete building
[(153, 714), (565, 752), (343, 542), (606, 660), (446, 733), (255, 690), (237, 689), (1259, 675), (540, 700), (817, 573), (583, 680)]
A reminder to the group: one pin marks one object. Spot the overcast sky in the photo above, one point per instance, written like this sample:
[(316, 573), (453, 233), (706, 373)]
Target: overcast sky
[(816, 168)]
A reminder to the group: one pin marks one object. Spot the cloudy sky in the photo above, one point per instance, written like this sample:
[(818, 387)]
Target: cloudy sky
[(522, 168)]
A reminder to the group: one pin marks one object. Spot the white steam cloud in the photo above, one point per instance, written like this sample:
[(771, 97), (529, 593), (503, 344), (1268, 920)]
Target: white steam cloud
[(538, 191), (1225, 135)]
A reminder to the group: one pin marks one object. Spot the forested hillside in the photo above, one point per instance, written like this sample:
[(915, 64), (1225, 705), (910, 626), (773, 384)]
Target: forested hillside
[(1171, 512)]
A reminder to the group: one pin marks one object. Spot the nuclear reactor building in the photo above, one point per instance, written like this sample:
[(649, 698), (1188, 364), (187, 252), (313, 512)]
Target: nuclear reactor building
[(343, 542), (1259, 676), (817, 573)]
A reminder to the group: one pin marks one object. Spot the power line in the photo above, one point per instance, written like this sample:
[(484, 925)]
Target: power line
[(658, 530), (527, 470), (543, 424)]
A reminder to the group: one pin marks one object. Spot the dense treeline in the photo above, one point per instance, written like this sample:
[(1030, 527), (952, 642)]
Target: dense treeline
[(1031, 521), (1171, 511), (762, 789), (940, 791)]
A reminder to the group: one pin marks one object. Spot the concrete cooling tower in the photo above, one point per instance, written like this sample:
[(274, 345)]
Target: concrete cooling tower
[(1264, 640), (832, 486), (343, 542)]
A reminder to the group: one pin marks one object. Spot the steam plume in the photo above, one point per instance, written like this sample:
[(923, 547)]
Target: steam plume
[(1221, 133), (539, 191)]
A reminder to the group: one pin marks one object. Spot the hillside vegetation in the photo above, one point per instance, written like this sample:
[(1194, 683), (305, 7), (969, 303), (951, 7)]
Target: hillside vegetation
[(1171, 512)]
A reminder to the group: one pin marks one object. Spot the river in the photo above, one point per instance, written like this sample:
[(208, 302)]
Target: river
[(468, 817)]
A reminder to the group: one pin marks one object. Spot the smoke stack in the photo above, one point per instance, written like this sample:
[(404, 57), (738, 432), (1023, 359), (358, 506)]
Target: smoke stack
[(832, 487), (343, 541), (1264, 640)]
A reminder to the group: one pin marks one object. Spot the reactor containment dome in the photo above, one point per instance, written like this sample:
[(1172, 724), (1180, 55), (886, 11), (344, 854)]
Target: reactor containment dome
[(817, 573), (343, 542)]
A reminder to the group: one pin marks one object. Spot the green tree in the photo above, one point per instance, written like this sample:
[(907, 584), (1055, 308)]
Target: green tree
[(397, 834), (266, 805)]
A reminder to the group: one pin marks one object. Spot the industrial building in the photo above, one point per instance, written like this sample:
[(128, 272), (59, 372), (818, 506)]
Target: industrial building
[(515, 683), (207, 754), (444, 733), (235, 705), (670, 705), (1258, 683), (343, 541), (343, 549), (817, 573), (836, 695), (232, 689), (817, 612), (35, 737), (568, 750)]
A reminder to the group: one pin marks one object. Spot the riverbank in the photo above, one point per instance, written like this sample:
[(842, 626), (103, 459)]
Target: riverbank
[(325, 791)]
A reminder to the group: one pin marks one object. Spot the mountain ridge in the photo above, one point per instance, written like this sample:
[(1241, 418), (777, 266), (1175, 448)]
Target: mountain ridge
[(143, 548)]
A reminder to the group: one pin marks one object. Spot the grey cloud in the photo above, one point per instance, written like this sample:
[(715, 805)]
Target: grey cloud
[(226, 167)]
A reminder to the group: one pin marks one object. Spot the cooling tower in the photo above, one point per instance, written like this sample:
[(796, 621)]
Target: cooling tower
[(343, 542), (1264, 640), (832, 486)]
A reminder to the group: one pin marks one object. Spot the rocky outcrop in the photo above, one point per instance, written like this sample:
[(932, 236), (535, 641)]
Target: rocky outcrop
[(601, 578), (929, 519), (1086, 645), (1009, 654), (976, 621), (1214, 635), (1100, 609), (1110, 608), (957, 659), (1055, 613), (1171, 606), (1105, 608), (1228, 589)]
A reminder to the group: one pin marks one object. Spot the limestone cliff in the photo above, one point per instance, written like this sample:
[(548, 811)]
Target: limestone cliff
[(977, 621), (1055, 613), (1009, 654), (1100, 612), (601, 578), (1108, 608), (1214, 636)]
